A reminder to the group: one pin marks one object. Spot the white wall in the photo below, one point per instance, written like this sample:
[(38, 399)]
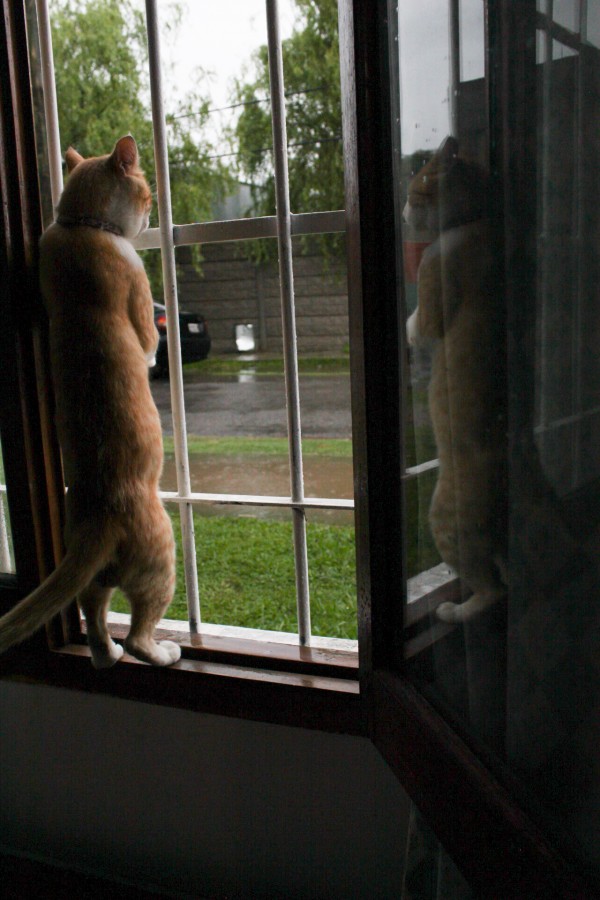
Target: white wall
[(204, 804)]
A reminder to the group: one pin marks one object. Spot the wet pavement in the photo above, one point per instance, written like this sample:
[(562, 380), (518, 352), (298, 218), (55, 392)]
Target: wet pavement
[(250, 405)]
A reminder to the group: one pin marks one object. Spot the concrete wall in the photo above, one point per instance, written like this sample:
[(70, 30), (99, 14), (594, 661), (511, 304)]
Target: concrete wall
[(232, 289)]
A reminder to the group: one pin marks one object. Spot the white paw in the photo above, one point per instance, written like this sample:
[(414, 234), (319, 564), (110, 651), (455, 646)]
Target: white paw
[(151, 360), (463, 612), (448, 612), (170, 651), (163, 653), (412, 332), (105, 657)]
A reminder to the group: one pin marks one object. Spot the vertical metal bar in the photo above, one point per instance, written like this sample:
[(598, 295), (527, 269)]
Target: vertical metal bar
[(290, 352), (454, 41), (173, 338), (5, 560), (50, 104)]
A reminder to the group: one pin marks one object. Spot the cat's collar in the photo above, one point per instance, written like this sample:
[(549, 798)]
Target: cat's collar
[(100, 224)]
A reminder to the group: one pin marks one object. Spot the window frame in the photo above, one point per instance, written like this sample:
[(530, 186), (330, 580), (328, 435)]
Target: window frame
[(477, 815), (288, 684)]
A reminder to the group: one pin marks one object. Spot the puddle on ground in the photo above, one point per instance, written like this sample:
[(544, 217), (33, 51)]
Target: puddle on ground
[(329, 477)]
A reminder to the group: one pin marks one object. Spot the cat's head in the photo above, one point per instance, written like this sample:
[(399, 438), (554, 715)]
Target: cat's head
[(109, 189), (448, 191)]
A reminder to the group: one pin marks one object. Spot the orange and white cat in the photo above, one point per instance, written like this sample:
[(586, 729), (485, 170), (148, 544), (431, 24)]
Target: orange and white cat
[(102, 340), (460, 308)]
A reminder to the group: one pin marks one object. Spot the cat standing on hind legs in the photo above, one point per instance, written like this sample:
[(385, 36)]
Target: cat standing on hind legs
[(460, 308), (102, 340)]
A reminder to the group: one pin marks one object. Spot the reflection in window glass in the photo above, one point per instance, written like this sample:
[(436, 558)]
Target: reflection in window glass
[(502, 452), (566, 13), (424, 76), (471, 47), (6, 549), (592, 30)]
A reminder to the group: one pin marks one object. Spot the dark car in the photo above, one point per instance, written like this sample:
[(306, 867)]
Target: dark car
[(195, 339)]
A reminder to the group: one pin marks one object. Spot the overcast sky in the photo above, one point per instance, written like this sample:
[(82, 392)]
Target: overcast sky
[(220, 35)]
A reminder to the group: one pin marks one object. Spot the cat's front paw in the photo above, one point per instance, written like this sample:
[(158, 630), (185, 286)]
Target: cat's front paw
[(412, 331), (105, 656)]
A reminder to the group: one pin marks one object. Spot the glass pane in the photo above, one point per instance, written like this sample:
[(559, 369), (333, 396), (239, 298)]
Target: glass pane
[(592, 24), (502, 448), (566, 13), (471, 45)]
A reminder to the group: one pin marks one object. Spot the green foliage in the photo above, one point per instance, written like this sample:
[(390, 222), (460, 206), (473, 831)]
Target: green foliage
[(314, 130), (103, 92)]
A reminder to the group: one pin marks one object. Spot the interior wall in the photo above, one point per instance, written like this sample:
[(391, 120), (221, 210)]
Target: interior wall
[(203, 805)]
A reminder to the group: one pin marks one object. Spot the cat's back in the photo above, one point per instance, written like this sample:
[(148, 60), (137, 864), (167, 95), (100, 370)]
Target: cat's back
[(85, 268)]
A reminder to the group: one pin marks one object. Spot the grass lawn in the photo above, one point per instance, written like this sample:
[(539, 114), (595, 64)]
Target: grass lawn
[(198, 446), (246, 569), (246, 575)]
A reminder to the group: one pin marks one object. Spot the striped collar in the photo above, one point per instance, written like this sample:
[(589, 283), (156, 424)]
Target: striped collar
[(90, 222)]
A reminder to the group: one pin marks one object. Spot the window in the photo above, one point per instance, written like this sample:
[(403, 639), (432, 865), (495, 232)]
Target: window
[(451, 705), (310, 521)]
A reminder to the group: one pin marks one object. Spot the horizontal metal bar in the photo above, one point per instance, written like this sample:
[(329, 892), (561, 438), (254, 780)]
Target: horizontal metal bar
[(415, 471), (257, 500), (576, 418), (326, 222), (244, 229)]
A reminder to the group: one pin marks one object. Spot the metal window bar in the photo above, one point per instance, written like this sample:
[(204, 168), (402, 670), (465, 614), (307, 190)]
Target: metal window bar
[(290, 350), (6, 564), (167, 247)]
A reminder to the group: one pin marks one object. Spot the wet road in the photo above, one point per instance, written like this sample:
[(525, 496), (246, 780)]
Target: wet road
[(249, 405)]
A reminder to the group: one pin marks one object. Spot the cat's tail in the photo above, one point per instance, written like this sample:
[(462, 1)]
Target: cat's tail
[(89, 551)]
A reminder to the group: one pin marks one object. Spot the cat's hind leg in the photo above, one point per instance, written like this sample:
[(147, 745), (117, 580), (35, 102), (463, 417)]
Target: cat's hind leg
[(149, 585), (466, 543), (150, 596), (94, 602), (474, 606)]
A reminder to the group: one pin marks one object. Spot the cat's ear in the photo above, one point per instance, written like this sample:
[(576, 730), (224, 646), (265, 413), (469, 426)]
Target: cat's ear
[(448, 151), (72, 158), (125, 155)]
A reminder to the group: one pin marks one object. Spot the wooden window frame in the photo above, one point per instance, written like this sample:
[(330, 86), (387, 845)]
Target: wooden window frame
[(478, 815)]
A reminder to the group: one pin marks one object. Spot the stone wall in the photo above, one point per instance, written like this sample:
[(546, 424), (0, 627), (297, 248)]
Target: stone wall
[(233, 290)]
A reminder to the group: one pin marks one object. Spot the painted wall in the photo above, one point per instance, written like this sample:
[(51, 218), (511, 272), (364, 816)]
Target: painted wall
[(205, 805)]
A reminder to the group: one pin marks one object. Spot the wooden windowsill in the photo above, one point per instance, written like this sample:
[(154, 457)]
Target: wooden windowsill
[(306, 699)]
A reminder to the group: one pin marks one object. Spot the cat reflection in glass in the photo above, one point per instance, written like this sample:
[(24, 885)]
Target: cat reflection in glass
[(460, 308)]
